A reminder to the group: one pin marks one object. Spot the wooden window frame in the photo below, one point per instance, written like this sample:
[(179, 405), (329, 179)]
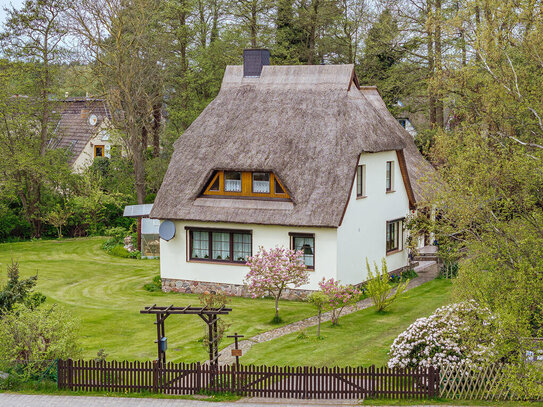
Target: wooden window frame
[(399, 239), (292, 235), (269, 181), (361, 181), (389, 177), (231, 232), (103, 147), (247, 191), (240, 182)]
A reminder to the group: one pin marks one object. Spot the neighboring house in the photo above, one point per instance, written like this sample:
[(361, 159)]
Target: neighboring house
[(294, 156), (407, 125), (83, 129)]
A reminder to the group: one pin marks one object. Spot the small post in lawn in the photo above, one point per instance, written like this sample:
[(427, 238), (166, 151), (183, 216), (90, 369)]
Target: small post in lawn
[(236, 351)]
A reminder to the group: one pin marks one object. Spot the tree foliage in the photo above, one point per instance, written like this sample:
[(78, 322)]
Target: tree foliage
[(31, 339), (338, 297), (274, 270), (19, 291)]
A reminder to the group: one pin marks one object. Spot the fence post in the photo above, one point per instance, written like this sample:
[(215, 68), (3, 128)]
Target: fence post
[(155, 376), (198, 377), (70, 374), (433, 382), (233, 381), (372, 381), (306, 374), (60, 371)]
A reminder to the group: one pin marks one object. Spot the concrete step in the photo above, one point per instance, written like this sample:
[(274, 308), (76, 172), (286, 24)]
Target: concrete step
[(426, 257), (424, 266)]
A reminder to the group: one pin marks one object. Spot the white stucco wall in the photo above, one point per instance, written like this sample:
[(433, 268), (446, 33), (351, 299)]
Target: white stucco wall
[(86, 157), (174, 264), (362, 233)]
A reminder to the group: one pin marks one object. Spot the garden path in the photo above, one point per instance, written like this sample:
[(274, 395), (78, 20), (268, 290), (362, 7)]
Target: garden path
[(426, 270)]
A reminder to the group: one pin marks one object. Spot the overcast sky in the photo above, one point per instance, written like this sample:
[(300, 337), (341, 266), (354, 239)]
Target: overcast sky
[(8, 3)]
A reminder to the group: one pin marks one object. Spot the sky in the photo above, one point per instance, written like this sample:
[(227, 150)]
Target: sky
[(8, 3)]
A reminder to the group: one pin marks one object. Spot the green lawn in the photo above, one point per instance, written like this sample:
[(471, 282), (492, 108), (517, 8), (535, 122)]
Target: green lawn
[(363, 338), (106, 294)]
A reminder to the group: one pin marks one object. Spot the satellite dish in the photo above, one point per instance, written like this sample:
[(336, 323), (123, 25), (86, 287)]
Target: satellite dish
[(167, 230), (93, 120)]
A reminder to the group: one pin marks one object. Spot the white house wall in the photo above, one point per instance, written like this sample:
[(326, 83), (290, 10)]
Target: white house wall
[(362, 233), (174, 264), (86, 157)]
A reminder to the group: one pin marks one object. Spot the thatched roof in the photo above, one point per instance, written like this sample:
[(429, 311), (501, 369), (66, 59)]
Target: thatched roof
[(417, 166), (73, 129), (307, 124)]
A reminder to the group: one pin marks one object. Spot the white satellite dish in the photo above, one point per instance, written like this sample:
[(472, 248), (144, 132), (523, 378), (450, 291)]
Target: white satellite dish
[(167, 230), (93, 120)]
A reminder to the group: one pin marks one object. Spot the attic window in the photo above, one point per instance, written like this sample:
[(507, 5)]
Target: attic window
[(261, 182), (233, 184), (232, 181)]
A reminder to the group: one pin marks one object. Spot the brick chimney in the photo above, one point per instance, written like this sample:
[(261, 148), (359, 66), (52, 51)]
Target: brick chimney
[(254, 60)]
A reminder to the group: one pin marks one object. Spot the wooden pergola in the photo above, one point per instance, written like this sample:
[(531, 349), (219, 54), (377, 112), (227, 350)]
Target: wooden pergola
[(208, 314)]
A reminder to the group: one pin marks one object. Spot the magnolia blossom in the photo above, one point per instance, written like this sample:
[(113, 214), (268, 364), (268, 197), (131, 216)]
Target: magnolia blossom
[(439, 340), (271, 271), (339, 296)]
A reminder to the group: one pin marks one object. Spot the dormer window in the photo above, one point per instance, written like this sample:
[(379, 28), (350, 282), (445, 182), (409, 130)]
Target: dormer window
[(232, 181), (257, 184), (261, 182)]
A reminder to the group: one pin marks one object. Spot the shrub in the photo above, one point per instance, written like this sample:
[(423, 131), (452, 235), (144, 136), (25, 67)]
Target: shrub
[(30, 339), (119, 251), (379, 289), (338, 297), (408, 274), (155, 285), (448, 270), (444, 338), (118, 233)]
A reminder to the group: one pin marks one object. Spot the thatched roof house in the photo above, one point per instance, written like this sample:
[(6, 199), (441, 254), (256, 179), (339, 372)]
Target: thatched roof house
[(307, 124), (327, 141)]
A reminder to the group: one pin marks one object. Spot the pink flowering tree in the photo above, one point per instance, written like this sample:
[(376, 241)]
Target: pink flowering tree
[(272, 271), (339, 296)]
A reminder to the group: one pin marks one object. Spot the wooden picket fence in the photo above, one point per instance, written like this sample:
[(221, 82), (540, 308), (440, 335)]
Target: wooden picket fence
[(249, 381), (484, 383)]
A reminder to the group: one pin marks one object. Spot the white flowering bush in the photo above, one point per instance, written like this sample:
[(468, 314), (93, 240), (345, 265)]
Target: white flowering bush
[(449, 337)]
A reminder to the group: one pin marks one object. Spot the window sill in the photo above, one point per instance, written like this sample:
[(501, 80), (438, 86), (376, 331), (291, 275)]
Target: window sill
[(361, 197), (394, 252), (390, 192), (227, 263)]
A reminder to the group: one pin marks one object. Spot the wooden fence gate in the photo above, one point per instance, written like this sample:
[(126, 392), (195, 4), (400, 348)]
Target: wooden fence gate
[(251, 381)]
